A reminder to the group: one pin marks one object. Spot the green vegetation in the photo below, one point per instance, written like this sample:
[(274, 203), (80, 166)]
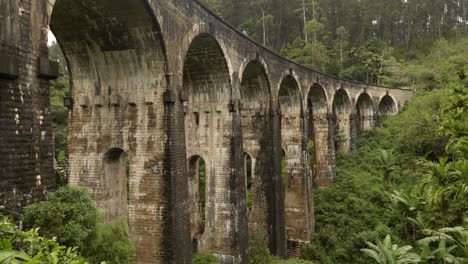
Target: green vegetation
[(18, 246), (364, 40), (204, 259), (407, 182), (71, 216)]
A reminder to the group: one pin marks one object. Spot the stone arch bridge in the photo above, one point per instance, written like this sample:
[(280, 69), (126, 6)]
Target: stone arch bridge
[(157, 87)]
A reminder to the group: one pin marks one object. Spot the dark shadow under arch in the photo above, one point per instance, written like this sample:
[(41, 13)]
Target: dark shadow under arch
[(116, 184), (249, 178), (364, 112), (206, 73), (289, 97), (387, 106), (342, 115), (197, 178), (255, 86)]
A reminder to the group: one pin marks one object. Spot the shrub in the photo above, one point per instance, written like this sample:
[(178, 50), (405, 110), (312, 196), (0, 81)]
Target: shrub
[(71, 216), (18, 246)]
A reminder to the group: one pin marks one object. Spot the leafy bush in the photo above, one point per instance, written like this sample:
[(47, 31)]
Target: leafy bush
[(71, 215), (18, 246)]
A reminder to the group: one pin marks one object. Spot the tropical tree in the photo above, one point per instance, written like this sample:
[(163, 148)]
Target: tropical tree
[(452, 245), (387, 253), (440, 183), (386, 161)]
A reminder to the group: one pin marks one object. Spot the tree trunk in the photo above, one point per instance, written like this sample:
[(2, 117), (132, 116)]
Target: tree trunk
[(264, 29), (305, 20)]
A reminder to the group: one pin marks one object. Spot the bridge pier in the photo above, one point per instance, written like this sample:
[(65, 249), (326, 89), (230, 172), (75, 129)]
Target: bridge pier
[(296, 167), (324, 156), (26, 139)]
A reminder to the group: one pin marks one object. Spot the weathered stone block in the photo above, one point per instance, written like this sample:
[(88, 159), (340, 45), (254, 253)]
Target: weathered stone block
[(8, 66), (99, 100), (169, 97), (48, 69), (115, 100), (83, 101)]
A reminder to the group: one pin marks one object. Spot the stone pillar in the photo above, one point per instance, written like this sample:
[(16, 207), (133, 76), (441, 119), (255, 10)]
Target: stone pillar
[(26, 140), (324, 162), (298, 200), (278, 242), (331, 145), (217, 138), (343, 123), (261, 140), (354, 123)]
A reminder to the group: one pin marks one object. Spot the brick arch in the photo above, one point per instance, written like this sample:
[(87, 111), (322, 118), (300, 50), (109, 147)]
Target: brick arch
[(255, 86), (319, 132), (365, 112), (206, 73), (317, 100), (341, 102), (342, 110), (118, 63), (290, 97), (109, 51), (387, 105)]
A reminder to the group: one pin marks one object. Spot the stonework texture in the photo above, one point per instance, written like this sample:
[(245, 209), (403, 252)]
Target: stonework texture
[(154, 84)]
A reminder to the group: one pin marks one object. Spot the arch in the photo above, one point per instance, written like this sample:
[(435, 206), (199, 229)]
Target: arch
[(342, 114), (364, 112), (255, 86), (341, 102), (249, 175), (387, 106), (109, 51), (206, 73), (197, 178), (317, 100), (116, 183), (289, 97), (318, 134)]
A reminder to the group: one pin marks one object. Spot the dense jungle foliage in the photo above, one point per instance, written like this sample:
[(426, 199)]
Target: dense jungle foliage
[(364, 40), (401, 198)]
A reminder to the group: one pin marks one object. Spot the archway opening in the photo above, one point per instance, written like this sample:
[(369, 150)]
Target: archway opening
[(116, 184), (318, 132), (198, 196), (289, 97), (113, 49), (342, 121), (206, 74), (117, 61), (284, 171), (387, 106), (248, 168), (364, 113), (255, 88)]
